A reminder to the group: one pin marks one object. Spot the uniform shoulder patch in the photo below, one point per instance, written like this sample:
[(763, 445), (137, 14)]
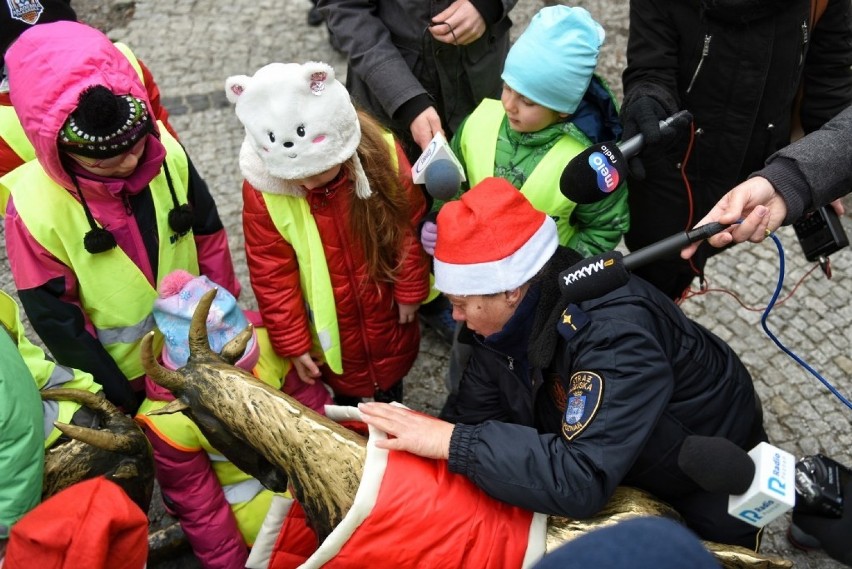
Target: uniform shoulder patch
[(585, 394), (572, 321)]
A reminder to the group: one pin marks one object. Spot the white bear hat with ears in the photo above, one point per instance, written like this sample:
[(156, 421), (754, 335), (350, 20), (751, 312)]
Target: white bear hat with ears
[(299, 122)]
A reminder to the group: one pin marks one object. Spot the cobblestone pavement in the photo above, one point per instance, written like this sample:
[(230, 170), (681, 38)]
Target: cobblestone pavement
[(192, 46)]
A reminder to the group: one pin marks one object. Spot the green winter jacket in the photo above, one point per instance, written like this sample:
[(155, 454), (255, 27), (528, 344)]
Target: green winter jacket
[(598, 226), (21, 436)]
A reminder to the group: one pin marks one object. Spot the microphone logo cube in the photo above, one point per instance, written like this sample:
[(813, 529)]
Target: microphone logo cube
[(603, 163), (773, 489), (438, 149)]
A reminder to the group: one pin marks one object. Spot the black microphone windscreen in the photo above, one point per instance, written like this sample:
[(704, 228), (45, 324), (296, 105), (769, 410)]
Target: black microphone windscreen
[(716, 464), (442, 179), (593, 174), (593, 277)]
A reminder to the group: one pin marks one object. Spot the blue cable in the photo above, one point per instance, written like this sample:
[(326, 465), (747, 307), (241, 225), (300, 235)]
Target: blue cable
[(778, 343)]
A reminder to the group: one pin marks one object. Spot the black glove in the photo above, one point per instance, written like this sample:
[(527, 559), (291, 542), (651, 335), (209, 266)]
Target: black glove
[(833, 534), (642, 116)]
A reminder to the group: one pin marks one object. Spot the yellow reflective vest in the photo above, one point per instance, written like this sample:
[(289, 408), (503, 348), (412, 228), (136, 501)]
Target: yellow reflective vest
[(12, 132), (114, 292), (46, 373), (479, 144), (292, 217)]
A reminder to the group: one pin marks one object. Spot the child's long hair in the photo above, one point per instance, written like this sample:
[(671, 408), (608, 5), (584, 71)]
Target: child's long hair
[(380, 222)]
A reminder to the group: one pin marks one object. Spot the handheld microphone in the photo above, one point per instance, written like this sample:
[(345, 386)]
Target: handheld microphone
[(761, 483), (442, 179), (437, 149), (598, 171), (600, 274), (671, 245)]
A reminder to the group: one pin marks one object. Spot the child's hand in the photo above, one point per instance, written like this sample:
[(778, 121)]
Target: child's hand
[(429, 237), (307, 368), (407, 312)]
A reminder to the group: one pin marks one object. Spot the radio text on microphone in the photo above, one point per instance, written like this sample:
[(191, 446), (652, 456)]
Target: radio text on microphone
[(603, 163), (772, 491)]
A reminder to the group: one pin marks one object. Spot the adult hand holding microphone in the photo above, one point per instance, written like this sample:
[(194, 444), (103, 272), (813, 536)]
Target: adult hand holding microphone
[(600, 169)]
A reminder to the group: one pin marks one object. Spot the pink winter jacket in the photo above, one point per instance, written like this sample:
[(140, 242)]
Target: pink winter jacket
[(48, 67)]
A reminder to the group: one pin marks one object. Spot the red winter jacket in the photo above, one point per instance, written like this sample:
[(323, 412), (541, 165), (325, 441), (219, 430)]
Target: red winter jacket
[(377, 351)]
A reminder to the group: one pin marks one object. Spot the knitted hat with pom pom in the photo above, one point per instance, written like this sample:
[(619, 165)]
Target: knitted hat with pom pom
[(179, 295), (105, 124)]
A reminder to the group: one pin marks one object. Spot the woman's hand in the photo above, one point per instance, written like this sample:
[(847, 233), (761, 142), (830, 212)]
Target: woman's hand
[(414, 432)]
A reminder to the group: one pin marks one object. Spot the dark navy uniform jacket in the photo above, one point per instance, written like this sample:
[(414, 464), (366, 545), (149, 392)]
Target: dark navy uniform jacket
[(632, 376)]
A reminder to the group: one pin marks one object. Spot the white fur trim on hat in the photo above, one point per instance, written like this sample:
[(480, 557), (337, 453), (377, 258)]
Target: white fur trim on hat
[(298, 118), (256, 174), (503, 274)]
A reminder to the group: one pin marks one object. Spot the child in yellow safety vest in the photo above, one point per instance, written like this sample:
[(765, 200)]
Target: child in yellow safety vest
[(329, 217), (552, 108), (220, 507)]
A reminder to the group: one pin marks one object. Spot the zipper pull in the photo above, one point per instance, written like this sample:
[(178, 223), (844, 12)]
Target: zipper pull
[(704, 52), (511, 363)]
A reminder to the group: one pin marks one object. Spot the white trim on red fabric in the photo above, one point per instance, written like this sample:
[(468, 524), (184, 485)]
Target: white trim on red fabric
[(499, 276), (365, 499), (537, 544), (264, 543)]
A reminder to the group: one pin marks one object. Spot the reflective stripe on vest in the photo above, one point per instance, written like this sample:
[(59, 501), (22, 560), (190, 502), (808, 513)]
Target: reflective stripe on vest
[(292, 217), (479, 146), (12, 132), (237, 492), (113, 291), (45, 372), (242, 491), (181, 432)]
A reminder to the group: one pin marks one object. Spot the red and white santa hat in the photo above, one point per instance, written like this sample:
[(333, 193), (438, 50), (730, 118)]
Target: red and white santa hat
[(491, 240)]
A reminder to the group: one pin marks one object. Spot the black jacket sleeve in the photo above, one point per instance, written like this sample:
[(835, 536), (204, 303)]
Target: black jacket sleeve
[(62, 328), (652, 56), (545, 472)]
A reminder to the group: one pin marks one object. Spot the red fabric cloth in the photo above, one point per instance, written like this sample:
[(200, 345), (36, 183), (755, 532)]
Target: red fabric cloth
[(296, 541), (425, 516), (92, 524)]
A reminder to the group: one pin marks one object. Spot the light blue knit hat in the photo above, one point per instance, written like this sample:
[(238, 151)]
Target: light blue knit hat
[(553, 60), (180, 292)]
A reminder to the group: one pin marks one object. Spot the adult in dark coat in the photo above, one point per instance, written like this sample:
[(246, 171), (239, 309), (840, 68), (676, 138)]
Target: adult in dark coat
[(810, 173), (421, 66), (737, 66), (561, 403)]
